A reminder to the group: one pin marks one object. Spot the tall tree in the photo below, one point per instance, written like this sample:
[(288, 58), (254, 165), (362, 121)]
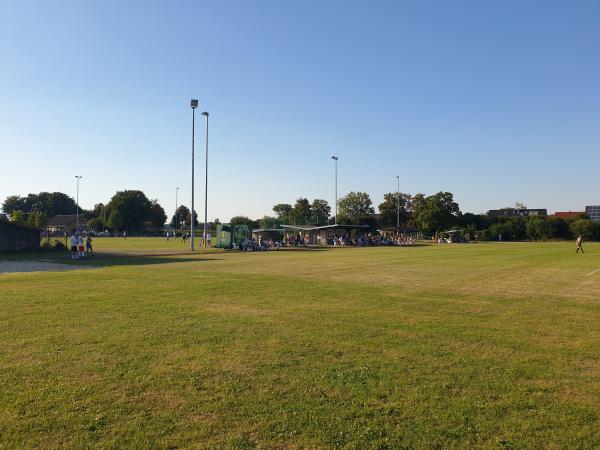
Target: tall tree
[(115, 221), (584, 228), (356, 208), (283, 212), (241, 220), (17, 217), (50, 203), (134, 208), (320, 211), (268, 222), (182, 218), (438, 211), (13, 203), (418, 203), (37, 219), (388, 210), (158, 216), (301, 212)]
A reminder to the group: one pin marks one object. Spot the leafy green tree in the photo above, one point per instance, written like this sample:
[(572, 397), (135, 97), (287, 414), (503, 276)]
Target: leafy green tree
[(417, 205), (438, 212), (475, 221), (559, 227), (158, 216), (584, 228), (241, 220), (115, 221), (182, 218), (134, 208), (539, 228), (17, 217), (13, 203), (37, 219), (283, 212), (301, 213), (356, 208), (54, 203), (50, 203), (320, 211), (512, 229), (95, 224), (388, 210), (269, 222)]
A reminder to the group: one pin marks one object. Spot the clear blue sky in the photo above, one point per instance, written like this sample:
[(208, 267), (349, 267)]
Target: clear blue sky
[(496, 102)]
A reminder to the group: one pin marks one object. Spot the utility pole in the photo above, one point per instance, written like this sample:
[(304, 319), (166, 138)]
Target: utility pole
[(193, 105), (335, 158), (205, 114), (398, 203), (176, 215), (79, 177)]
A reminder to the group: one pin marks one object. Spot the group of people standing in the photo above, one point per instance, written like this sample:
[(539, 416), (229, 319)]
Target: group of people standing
[(81, 245)]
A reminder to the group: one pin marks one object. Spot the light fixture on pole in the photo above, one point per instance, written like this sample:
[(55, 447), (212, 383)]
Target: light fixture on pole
[(176, 215), (335, 158), (193, 105), (398, 203), (79, 177), (204, 235)]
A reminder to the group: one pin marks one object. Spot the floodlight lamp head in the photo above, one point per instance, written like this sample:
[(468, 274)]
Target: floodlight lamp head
[(194, 104), (204, 113), (334, 157)]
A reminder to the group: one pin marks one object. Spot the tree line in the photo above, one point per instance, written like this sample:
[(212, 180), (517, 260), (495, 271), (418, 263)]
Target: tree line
[(128, 210), (131, 210)]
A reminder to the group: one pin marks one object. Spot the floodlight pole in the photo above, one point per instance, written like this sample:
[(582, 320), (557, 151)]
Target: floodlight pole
[(205, 114), (398, 203), (335, 158), (176, 215), (193, 105), (79, 177)]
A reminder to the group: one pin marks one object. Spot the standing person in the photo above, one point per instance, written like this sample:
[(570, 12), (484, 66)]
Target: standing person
[(80, 246), (579, 245), (183, 237), (88, 245), (73, 240), (124, 234)]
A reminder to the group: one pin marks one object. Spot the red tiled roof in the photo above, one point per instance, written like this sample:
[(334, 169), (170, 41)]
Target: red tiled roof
[(568, 214)]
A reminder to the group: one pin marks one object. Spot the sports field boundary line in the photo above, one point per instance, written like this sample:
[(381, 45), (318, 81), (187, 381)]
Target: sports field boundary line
[(593, 272)]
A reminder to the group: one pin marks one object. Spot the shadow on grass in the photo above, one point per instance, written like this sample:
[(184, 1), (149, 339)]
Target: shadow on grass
[(107, 259)]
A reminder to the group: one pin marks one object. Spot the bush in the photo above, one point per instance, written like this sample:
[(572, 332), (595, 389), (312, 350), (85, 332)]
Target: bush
[(584, 228), (539, 229)]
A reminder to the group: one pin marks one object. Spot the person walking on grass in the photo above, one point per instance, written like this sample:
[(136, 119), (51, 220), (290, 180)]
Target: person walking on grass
[(579, 245), (88, 245)]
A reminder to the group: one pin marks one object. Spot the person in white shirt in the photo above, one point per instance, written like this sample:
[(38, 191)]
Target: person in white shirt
[(579, 245), (73, 240)]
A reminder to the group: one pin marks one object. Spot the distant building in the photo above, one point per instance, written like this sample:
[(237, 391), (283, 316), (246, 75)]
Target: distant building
[(593, 212), (14, 238), (569, 214), (516, 212), (62, 223)]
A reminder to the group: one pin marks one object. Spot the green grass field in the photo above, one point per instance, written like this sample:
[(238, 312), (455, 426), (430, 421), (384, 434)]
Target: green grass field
[(446, 346)]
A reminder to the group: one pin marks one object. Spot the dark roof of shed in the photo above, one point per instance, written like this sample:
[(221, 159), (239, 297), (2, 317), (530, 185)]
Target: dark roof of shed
[(19, 225)]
